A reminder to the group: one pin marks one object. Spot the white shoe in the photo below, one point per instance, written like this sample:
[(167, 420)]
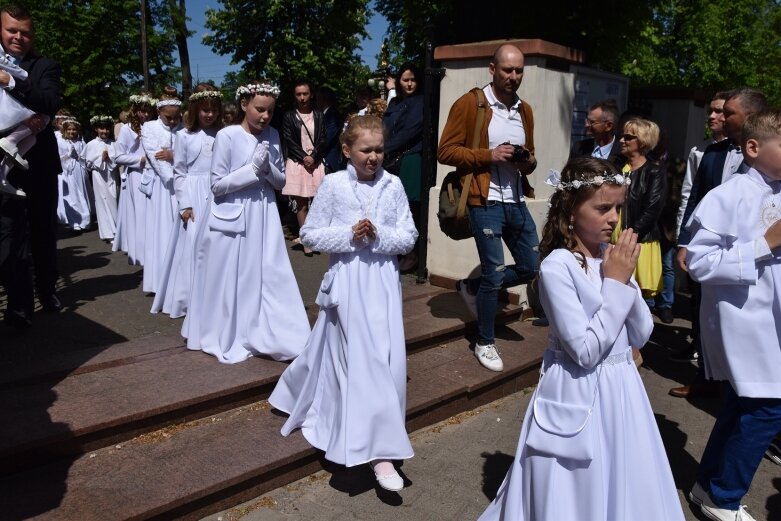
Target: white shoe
[(488, 356), (470, 301), (698, 496), (391, 481), (12, 155), (8, 188)]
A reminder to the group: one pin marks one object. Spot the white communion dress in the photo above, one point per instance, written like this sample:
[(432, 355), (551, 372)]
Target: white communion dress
[(158, 178), (615, 467), (245, 300), (103, 186), (347, 391), (131, 213), (192, 164), (73, 208)]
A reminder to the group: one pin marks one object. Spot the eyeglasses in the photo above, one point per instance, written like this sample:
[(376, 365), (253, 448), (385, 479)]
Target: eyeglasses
[(592, 122), (628, 137)]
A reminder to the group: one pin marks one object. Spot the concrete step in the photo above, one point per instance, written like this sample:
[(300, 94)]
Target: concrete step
[(83, 400), (191, 469)]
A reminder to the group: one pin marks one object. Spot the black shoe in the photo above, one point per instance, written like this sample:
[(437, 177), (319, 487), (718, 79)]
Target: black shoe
[(686, 355), (17, 319), (665, 315), (50, 303)]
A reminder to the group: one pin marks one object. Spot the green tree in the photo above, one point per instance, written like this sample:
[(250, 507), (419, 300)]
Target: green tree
[(97, 43), (283, 40)]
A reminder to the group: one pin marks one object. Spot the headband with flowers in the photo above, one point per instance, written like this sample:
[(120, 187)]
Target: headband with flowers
[(257, 88), (168, 103), (554, 180), (205, 94), (94, 120), (72, 120), (142, 99)]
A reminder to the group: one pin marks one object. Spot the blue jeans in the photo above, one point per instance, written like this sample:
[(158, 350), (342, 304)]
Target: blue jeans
[(666, 298), (491, 224), (742, 433)]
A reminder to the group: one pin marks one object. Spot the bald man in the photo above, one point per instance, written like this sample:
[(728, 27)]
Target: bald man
[(497, 208)]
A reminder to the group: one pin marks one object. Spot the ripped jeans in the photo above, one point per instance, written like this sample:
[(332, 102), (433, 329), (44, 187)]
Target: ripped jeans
[(491, 224)]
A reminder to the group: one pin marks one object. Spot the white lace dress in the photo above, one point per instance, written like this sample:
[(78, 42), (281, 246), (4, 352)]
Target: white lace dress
[(588, 363), (131, 213), (244, 300), (347, 391), (73, 208), (192, 164)]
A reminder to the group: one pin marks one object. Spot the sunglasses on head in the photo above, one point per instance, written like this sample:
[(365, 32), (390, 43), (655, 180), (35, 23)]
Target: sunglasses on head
[(628, 137)]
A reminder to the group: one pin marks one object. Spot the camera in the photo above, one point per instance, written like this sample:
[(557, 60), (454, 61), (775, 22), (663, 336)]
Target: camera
[(520, 154)]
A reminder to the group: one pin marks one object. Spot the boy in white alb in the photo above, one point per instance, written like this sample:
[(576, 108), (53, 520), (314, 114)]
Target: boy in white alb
[(735, 253), (17, 138)]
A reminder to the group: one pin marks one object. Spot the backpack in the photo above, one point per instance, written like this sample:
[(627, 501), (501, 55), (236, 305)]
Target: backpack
[(452, 214)]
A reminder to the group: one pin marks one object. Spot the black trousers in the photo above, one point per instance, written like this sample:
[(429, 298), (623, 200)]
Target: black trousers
[(15, 273), (42, 193)]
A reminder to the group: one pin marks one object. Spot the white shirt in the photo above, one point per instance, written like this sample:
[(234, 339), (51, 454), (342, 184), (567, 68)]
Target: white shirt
[(505, 126), (603, 152)]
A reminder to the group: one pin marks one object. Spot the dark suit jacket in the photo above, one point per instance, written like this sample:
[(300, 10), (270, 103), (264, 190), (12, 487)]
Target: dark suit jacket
[(42, 93), (707, 178), (291, 137), (333, 151), (585, 147)]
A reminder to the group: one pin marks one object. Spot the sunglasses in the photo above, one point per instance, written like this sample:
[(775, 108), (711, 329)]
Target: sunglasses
[(628, 137)]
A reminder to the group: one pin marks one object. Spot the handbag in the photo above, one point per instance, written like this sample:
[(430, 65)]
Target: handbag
[(562, 430), (147, 182), (452, 214), (227, 218), (327, 296)]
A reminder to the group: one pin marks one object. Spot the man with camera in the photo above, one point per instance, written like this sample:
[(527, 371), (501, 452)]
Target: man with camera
[(497, 208)]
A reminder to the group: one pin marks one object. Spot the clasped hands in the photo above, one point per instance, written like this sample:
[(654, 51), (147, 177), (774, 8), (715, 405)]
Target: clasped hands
[(260, 158), (620, 259), (364, 230)]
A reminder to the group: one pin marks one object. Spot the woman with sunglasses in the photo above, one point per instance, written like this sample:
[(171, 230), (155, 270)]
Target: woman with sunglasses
[(644, 202)]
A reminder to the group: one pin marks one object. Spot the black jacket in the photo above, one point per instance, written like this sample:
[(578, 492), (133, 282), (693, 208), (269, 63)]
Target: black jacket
[(585, 148), (291, 137), (645, 201)]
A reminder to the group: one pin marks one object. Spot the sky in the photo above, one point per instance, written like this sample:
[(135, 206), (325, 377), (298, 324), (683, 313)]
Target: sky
[(207, 65)]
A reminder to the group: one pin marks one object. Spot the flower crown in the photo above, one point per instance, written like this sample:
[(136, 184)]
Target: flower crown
[(205, 94), (554, 180), (257, 88), (142, 99), (94, 120), (168, 103)]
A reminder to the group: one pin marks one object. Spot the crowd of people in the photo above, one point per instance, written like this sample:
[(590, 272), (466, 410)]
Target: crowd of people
[(190, 188)]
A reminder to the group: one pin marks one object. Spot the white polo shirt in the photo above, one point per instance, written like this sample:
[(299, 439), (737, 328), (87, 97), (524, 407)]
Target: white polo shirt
[(505, 126)]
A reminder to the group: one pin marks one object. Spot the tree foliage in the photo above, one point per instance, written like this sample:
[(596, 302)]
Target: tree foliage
[(283, 40), (98, 44), (708, 44)]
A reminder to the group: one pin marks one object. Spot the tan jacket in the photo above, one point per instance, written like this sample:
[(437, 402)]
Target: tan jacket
[(457, 136)]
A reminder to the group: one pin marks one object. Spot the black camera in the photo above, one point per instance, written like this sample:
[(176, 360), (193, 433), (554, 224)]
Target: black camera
[(520, 154)]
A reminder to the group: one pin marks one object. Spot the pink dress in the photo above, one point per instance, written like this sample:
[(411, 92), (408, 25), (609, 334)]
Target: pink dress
[(298, 181)]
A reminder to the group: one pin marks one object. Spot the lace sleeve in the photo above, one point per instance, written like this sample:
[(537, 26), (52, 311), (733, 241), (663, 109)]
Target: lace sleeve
[(399, 238), (322, 231)]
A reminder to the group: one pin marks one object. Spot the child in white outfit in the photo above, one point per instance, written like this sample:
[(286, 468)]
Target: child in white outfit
[(17, 138)]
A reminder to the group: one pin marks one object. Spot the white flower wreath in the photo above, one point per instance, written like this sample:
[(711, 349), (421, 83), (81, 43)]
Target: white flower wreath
[(142, 99), (94, 120), (554, 180), (205, 94), (257, 88)]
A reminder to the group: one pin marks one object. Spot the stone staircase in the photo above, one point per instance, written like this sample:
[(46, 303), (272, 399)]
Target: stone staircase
[(149, 430)]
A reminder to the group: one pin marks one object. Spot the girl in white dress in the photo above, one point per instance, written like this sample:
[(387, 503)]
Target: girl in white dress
[(589, 446), (97, 157), (73, 209), (347, 391), (158, 138), (131, 214), (245, 300), (192, 164)]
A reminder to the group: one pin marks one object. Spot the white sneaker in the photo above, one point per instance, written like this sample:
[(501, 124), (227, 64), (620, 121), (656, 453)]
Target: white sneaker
[(470, 301), (489, 357), (699, 497)]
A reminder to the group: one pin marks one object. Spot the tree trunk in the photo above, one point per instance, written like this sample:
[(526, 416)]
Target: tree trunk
[(179, 19)]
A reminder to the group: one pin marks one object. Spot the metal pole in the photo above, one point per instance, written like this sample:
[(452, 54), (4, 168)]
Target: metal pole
[(144, 62)]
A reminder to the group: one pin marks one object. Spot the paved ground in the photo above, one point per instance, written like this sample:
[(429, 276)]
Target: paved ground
[(459, 464)]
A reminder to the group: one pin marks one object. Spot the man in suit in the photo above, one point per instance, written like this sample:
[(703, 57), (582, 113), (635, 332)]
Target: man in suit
[(719, 162), (601, 126), (33, 230), (332, 157)]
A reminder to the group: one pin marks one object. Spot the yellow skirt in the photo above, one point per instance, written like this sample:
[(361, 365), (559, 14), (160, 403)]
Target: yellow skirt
[(648, 272)]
